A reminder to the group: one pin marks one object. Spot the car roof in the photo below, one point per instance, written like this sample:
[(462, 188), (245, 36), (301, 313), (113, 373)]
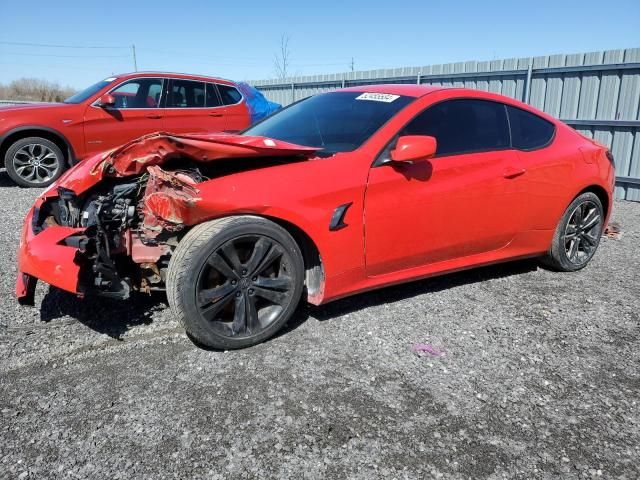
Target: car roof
[(187, 76), (404, 89), (417, 91)]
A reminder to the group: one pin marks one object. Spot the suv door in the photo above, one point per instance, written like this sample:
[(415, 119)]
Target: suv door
[(456, 204), (236, 110), (136, 112), (191, 107)]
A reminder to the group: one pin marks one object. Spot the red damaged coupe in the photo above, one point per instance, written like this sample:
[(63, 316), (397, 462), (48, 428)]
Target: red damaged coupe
[(337, 194)]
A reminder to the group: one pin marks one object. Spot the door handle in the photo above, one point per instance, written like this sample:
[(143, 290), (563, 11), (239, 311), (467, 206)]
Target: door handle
[(154, 116), (213, 114), (513, 172)]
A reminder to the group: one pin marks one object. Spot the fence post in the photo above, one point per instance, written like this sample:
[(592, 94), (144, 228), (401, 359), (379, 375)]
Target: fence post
[(527, 86), (293, 92), (419, 78)]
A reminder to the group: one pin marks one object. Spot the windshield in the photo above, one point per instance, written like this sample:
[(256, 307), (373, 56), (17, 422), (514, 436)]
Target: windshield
[(89, 91), (335, 122)]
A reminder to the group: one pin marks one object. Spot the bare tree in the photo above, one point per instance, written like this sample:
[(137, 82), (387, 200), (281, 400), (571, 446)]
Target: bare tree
[(34, 89), (282, 59)]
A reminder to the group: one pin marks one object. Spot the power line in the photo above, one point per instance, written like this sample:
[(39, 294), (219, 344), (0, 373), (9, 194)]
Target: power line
[(183, 54), (61, 56), (49, 45)]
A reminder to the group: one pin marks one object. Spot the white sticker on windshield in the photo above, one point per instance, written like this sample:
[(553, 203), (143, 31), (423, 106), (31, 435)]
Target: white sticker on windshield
[(378, 97)]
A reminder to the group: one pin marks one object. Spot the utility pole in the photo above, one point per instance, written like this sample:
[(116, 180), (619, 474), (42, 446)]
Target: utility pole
[(135, 62), (352, 64)]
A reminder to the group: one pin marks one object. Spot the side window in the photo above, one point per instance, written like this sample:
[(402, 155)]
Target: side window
[(138, 93), (212, 96), (186, 94), (230, 95), (463, 126), (529, 131)]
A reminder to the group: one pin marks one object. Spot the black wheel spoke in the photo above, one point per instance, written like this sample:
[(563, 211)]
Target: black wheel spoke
[(221, 265), (278, 283), (211, 312), (589, 240), (260, 249), (231, 254), (572, 253), (591, 220), (213, 295), (271, 295), (274, 253), (252, 321), (579, 213), (572, 231), (239, 315)]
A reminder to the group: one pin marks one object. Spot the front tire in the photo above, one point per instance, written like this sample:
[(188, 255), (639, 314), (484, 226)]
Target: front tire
[(234, 282), (34, 162), (577, 235)]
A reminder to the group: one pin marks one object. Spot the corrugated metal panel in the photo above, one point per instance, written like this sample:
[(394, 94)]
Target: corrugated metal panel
[(602, 86), (633, 191)]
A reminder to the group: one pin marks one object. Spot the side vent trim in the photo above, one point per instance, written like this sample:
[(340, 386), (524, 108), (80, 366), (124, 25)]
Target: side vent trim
[(337, 219)]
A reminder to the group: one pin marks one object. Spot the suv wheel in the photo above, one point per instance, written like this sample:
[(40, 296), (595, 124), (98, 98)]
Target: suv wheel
[(34, 162)]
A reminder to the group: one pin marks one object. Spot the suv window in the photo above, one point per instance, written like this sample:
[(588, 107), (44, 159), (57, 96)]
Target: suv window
[(529, 131), (138, 93), (212, 96), (230, 95), (186, 94), (463, 126)]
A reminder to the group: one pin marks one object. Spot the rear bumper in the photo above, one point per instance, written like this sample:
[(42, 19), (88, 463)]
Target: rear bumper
[(45, 256)]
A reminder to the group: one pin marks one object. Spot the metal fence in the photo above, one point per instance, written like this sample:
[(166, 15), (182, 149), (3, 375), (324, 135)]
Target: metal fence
[(597, 93)]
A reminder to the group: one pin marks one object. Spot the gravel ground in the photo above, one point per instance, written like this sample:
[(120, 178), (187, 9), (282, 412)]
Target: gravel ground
[(540, 378)]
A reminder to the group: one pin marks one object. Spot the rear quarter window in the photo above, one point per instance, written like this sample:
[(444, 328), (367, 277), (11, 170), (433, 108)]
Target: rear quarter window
[(529, 131), (230, 95)]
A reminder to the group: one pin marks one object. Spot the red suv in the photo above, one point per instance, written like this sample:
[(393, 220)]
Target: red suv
[(39, 141)]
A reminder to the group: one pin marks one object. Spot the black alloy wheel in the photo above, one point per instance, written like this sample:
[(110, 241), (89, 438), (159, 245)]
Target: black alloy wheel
[(582, 233), (235, 282), (577, 235), (245, 285)]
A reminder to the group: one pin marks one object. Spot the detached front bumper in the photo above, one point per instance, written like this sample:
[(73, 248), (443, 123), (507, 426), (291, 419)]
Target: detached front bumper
[(44, 256)]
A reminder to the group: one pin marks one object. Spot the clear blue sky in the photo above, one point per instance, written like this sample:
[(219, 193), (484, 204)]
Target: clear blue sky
[(237, 40)]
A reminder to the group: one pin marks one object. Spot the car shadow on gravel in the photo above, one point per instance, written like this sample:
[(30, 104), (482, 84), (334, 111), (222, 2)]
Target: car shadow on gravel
[(419, 287), (5, 181), (103, 315), (116, 317)]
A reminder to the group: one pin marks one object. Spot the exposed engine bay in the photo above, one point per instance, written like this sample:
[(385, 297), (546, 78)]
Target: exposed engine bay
[(132, 217), (125, 245)]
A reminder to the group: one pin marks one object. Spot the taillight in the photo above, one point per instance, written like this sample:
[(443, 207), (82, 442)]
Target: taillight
[(610, 157)]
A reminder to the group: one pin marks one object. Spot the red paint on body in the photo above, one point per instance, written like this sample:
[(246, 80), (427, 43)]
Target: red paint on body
[(405, 221)]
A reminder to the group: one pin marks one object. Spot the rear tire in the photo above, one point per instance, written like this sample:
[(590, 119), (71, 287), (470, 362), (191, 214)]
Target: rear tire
[(577, 235), (234, 282), (34, 162)]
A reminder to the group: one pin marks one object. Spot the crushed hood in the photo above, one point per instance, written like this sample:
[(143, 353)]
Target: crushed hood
[(135, 157)]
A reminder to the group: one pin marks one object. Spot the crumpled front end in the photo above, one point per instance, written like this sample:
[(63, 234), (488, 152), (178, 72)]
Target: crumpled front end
[(110, 224), (46, 257)]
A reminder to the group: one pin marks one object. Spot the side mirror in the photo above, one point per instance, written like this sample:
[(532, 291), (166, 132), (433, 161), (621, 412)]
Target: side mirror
[(106, 100), (411, 148)]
